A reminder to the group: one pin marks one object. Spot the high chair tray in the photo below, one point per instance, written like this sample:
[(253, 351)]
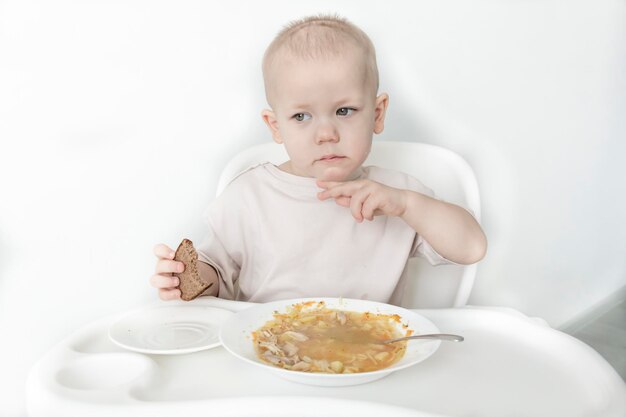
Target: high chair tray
[(508, 365)]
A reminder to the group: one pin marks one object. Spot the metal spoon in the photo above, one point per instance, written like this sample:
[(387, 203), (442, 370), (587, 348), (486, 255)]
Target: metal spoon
[(439, 336)]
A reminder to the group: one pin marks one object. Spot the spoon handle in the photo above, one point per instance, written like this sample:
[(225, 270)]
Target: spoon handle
[(439, 336)]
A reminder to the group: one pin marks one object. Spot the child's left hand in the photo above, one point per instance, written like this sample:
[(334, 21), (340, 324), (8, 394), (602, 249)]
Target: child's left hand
[(365, 198)]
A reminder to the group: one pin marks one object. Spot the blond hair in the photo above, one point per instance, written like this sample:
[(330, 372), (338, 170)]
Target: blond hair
[(321, 36)]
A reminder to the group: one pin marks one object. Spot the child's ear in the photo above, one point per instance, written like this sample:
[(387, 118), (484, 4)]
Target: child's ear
[(382, 101), (269, 117)]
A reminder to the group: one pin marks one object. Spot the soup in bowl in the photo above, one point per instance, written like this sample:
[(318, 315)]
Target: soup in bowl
[(310, 337), (328, 341)]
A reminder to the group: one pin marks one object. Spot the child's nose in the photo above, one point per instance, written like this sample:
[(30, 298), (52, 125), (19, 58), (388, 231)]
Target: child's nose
[(327, 132)]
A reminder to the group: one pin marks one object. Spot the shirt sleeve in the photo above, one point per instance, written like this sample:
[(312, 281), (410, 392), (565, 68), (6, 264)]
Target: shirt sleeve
[(213, 252), (423, 249)]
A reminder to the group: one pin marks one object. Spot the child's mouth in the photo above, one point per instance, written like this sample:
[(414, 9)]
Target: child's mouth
[(331, 158)]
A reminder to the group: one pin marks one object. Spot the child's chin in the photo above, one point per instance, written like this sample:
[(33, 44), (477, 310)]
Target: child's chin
[(335, 174)]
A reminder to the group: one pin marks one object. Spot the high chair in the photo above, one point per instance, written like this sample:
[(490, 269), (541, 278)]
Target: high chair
[(445, 172)]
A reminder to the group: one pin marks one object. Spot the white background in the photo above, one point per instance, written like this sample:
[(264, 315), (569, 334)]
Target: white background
[(116, 118)]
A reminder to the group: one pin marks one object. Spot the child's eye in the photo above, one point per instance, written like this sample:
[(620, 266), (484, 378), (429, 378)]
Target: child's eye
[(345, 111), (301, 117)]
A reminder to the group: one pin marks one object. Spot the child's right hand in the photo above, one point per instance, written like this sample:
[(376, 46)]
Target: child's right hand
[(164, 279)]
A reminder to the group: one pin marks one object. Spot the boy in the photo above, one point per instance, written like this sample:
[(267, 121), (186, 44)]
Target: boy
[(299, 229)]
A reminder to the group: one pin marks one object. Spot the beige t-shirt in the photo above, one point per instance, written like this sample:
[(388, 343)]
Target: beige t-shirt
[(271, 238)]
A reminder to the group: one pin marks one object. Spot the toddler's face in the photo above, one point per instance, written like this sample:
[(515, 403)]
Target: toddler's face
[(325, 112)]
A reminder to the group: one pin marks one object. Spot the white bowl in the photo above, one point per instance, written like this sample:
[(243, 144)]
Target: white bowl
[(236, 337)]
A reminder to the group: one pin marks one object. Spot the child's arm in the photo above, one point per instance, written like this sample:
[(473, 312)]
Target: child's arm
[(167, 283), (451, 230)]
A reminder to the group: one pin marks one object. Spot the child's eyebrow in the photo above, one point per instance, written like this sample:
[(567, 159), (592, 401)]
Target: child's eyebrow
[(336, 103), (299, 106), (348, 100)]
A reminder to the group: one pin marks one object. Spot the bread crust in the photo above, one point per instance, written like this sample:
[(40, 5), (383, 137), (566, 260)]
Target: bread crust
[(191, 284)]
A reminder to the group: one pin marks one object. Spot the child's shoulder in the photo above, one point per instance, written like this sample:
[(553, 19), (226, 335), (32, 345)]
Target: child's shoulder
[(248, 174), (238, 192), (248, 177), (396, 179)]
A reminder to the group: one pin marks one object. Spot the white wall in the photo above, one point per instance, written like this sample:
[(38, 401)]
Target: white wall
[(117, 117)]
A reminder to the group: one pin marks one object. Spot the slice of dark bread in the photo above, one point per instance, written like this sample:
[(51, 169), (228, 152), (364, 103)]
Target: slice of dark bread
[(191, 284)]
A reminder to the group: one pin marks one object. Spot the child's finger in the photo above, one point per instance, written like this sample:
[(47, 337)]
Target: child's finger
[(167, 295), (345, 189), (356, 204), (163, 251), (327, 184), (165, 266), (343, 201), (369, 208), (165, 282)]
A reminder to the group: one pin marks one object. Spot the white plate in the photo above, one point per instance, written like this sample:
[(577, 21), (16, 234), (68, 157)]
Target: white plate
[(237, 339), (169, 330)]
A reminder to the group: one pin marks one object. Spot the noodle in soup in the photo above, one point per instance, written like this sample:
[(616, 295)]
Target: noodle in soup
[(310, 337)]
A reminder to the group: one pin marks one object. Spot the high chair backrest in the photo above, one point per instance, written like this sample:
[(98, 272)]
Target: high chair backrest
[(445, 172)]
